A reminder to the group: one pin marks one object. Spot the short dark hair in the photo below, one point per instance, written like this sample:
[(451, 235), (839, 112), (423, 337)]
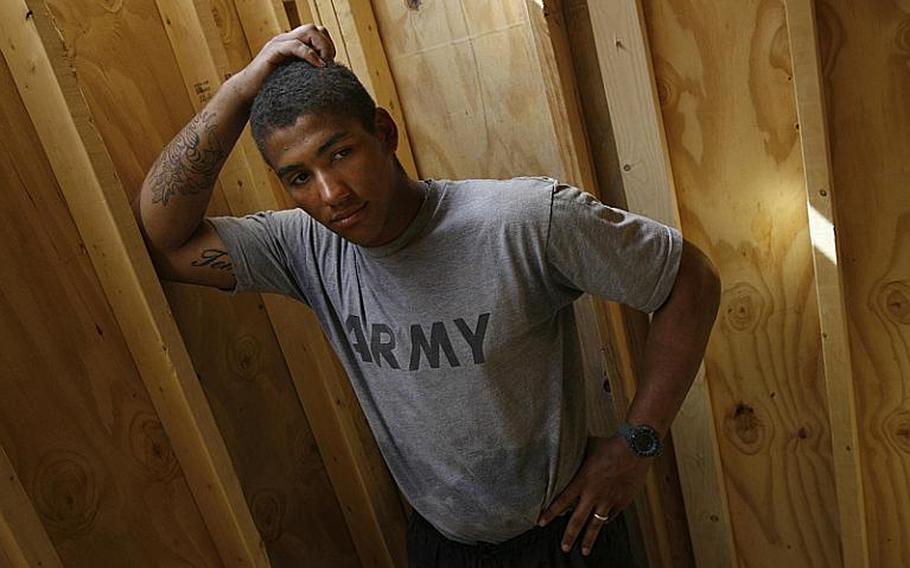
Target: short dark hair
[(295, 87)]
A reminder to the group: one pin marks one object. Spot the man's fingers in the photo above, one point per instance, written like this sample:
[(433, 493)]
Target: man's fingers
[(323, 44), (560, 504), (576, 523), (594, 525), (316, 37), (304, 51)]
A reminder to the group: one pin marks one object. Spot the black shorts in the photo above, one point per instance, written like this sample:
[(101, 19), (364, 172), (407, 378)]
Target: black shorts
[(539, 547)]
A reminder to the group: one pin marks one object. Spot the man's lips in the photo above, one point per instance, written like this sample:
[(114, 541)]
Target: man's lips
[(349, 216)]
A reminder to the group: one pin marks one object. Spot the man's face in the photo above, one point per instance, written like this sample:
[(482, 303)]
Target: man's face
[(342, 175)]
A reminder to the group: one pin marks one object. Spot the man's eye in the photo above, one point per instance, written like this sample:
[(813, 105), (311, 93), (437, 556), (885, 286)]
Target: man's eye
[(299, 179), (341, 153)]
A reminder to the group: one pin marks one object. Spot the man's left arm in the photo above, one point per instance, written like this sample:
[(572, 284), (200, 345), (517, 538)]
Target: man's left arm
[(611, 475)]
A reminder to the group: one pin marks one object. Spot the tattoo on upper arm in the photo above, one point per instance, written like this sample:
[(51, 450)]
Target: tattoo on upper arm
[(214, 258), (190, 163)]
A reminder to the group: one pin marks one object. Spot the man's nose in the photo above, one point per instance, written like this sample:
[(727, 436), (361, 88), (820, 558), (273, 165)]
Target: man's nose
[(333, 191)]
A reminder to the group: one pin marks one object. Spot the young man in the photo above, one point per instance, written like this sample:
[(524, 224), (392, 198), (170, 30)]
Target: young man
[(450, 305)]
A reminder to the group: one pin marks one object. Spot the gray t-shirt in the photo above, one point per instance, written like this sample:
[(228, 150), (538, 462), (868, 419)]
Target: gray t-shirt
[(459, 337)]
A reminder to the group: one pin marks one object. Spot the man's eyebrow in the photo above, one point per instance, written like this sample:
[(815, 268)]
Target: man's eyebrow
[(332, 140), (285, 169)]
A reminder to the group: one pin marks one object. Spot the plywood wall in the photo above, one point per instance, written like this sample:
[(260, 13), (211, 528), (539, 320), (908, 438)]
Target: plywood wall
[(866, 65), (127, 71), (75, 418), (724, 77), (479, 60), (472, 85)]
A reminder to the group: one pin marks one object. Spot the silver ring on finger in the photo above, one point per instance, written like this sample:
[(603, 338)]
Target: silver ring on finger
[(603, 518)]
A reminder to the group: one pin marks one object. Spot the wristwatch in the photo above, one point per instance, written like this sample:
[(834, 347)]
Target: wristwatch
[(641, 439)]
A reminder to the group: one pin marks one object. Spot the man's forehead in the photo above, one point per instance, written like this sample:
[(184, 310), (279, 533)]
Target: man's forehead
[(310, 134)]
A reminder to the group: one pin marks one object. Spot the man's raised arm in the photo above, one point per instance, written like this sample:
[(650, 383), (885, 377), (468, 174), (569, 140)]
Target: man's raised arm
[(177, 189)]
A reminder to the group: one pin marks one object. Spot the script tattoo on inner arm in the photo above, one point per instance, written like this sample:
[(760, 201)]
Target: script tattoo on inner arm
[(214, 258), (190, 163)]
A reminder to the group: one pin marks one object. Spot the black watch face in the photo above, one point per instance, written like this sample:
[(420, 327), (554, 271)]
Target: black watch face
[(644, 442)]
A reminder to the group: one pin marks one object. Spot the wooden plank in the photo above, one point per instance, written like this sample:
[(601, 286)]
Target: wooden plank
[(366, 57), (103, 217), (260, 20), (864, 48), (74, 414), (232, 344), (467, 116), (23, 540), (835, 343), (329, 19), (362, 484), (641, 146), (659, 512), (729, 115)]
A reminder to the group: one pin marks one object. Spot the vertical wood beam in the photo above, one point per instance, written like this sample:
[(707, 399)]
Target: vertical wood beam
[(628, 75), (366, 54), (260, 21), (820, 195), (654, 507), (362, 484), (22, 536), (328, 18), (105, 221)]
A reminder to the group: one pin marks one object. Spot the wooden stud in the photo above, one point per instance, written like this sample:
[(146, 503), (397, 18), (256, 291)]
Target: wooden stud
[(23, 540), (104, 219), (628, 76), (260, 20), (366, 56), (654, 506), (835, 344), (328, 18), (361, 481)]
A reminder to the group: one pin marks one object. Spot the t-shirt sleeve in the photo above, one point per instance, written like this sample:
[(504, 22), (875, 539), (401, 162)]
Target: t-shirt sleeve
[(609, 252), (258, 245)]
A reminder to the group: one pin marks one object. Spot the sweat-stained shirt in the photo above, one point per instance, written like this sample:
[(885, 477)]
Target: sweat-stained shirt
[(459, 337)]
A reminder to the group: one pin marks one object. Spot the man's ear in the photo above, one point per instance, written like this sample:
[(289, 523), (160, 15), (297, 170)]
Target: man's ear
[(386, 129)]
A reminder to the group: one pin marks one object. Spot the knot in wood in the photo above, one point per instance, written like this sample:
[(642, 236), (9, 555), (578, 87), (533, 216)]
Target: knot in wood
[(897, 429), (244, 356), (894, 301), (743, 307), (902, 36), (112, 6), (667, 82), (66, 493), (268, 507), (745, 429), (306, 452), (151, 448)]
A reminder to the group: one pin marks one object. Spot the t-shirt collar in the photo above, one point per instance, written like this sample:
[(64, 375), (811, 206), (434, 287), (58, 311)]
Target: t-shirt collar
[(413, 230)]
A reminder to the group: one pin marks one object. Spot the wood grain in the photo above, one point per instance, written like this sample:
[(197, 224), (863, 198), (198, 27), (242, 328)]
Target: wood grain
[(647, 178), (463, 71), (366, 57), (827, 259), (23, 540), (227, 336), (659, 509), (724, 83), (865, 52), (75, 418)]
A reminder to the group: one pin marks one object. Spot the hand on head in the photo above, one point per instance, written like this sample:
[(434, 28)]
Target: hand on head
[(309, 42)]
